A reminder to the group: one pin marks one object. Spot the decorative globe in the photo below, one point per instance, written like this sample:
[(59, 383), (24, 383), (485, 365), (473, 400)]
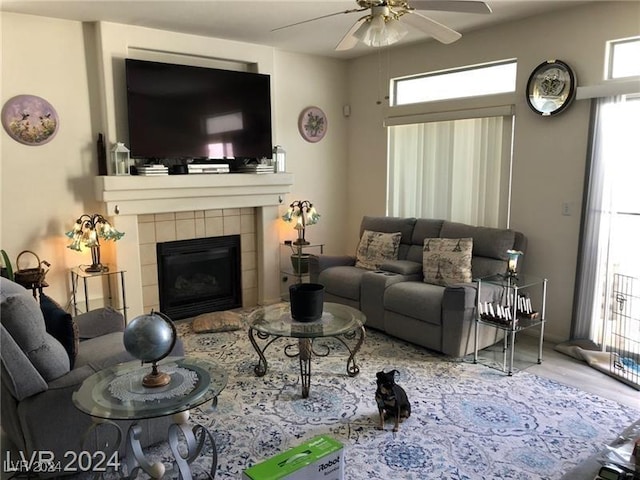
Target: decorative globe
[(150, 337)]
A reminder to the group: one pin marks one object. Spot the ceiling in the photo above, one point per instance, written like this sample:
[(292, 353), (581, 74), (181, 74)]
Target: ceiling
[(253, 21)]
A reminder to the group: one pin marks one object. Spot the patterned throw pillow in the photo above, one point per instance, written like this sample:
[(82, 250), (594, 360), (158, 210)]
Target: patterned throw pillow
[(375, 248), (446, 261)]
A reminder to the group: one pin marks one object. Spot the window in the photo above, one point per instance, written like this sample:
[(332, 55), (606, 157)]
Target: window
[(456, 170), (623, 58), (470, 81)]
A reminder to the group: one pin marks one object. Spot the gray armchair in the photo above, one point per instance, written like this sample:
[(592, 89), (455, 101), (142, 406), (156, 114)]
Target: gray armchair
[(39, 376)]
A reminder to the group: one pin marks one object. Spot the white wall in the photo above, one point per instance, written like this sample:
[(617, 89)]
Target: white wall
[(43, 187), (320, 168), (549, 153), (78, 68)]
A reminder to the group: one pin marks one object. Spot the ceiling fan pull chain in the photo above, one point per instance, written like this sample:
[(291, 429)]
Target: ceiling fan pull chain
[(382, 85), (379, 102), (387, 79)]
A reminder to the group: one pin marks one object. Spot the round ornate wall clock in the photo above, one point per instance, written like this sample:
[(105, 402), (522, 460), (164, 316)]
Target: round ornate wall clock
[(30, 120), (551, 87), (312, 124)]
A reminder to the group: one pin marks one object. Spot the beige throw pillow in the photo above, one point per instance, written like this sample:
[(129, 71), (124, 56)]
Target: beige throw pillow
[(375, 248), (446, 261), (216, 322)]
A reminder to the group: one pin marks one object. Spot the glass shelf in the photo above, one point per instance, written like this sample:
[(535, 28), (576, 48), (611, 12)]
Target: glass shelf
[(512, 305)]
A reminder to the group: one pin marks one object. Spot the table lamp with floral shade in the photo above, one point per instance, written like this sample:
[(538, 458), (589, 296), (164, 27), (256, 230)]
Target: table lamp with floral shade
[(87, 231), (301, 213)]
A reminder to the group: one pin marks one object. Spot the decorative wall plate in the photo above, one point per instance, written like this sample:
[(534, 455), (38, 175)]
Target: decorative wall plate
[(312, 124), (30, 120), (551, 87)]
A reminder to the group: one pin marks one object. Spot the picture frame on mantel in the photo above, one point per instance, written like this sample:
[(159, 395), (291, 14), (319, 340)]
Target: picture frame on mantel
[(312, 124)]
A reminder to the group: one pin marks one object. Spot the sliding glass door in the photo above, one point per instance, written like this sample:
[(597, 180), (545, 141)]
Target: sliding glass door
[(610, 253)]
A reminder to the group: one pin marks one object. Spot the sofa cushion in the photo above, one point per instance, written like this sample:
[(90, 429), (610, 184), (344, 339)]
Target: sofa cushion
[(18, 373), (22, 318), (426, 228), (61, 326), (342, 281), (7, 287), (100, 321), (389, 225), (102, 352), (487, 241), (377, 247), (402, 267), (447, 260), (417, 300)]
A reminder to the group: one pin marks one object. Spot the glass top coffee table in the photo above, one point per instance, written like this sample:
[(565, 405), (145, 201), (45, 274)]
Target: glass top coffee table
[(267, 324), (117, 393)]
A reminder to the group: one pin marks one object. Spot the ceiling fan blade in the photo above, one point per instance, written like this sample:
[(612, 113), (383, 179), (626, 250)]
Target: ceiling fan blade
[(460, 6), (319, 18), (350, 40), (438, 31)]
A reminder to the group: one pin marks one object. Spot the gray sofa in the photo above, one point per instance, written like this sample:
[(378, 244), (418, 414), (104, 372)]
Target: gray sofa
[(397, 301), (38, 379)]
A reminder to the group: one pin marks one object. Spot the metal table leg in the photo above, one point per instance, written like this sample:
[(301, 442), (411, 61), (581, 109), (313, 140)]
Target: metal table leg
[(107, 448), (305, 351), (135, 458), (261, 368), (195, 439), (512, 334), (352, 367)]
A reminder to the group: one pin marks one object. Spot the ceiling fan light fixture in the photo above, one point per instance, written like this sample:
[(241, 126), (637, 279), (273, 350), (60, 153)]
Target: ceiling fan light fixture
[(381, 31)]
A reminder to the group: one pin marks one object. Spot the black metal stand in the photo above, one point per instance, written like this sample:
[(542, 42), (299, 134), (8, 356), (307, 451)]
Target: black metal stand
[(304, 350)]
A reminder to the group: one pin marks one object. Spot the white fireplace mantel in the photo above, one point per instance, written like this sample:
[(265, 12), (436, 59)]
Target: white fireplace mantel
[(137, 195), (125, 197)]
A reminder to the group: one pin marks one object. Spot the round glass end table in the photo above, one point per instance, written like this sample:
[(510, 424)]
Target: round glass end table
[(117, 393), (267, 324)]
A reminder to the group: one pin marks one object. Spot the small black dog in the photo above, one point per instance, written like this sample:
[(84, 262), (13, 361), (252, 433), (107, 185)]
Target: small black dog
[(391, 398)]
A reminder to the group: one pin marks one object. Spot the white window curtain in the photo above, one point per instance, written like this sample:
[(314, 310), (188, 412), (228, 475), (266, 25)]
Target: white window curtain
[(453, 170), (612, 206)]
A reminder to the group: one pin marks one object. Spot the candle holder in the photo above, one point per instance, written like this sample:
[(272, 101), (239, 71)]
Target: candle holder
[(512, 262)]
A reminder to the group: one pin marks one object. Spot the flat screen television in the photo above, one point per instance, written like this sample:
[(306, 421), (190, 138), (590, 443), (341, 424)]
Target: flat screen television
[(186, 112)]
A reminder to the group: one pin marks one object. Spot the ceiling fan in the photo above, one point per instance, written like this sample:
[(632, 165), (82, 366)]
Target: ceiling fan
[(382, 26)]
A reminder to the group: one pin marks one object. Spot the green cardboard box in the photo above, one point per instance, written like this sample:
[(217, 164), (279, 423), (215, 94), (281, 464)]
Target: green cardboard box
[(321, 458)]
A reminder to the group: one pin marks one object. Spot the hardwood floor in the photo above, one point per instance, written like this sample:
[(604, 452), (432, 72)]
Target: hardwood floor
[(570, 371)]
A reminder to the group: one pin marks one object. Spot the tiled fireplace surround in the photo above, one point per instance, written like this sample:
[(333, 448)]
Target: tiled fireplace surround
[(177, 207), (166, 227)]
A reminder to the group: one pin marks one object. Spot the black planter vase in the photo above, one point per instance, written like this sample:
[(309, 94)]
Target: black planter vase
[(306, 301)]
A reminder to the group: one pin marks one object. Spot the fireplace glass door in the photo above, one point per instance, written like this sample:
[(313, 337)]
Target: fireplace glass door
[(199, 276)]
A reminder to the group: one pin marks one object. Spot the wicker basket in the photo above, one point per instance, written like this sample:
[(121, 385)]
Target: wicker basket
[(29, 276)]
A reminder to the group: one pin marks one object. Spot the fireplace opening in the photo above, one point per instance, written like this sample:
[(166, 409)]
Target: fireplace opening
[(199, 276)]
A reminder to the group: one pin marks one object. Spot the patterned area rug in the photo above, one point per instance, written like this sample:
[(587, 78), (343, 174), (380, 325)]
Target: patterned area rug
[(468, 421)]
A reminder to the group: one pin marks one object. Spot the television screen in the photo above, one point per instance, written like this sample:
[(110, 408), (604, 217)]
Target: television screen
[(184, 112)]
